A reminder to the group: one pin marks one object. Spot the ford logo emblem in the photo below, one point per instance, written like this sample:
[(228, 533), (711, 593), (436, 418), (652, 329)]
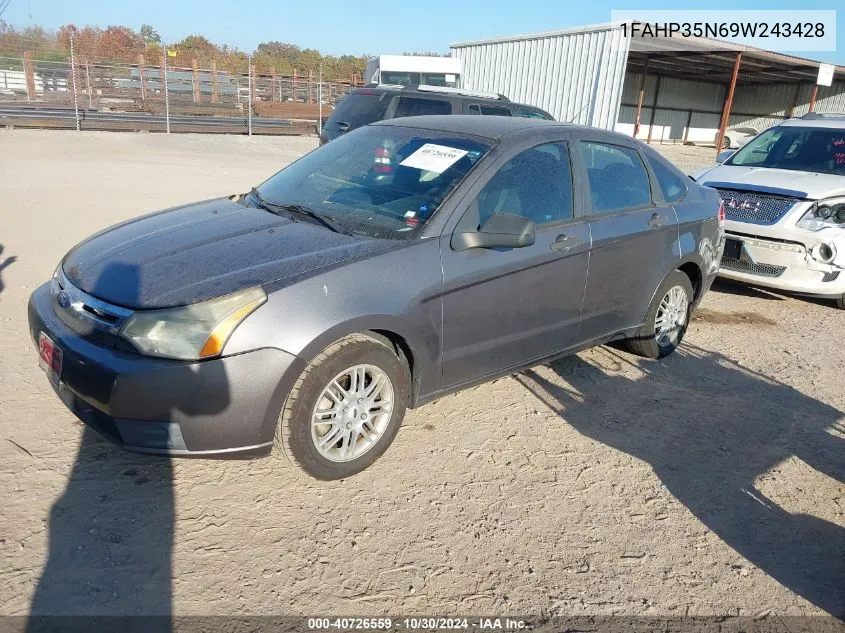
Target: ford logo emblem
[(63, 299)]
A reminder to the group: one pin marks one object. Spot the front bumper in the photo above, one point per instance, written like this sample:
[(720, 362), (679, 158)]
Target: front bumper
[(224, 407), (782, 265)]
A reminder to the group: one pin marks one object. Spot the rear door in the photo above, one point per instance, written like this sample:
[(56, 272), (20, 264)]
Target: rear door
[(504, 307), (634, 235)]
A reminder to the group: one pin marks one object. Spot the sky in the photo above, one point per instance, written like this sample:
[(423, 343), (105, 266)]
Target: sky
[(347, 27)]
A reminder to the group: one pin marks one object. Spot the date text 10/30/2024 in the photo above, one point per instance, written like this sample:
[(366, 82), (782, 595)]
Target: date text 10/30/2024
[(425, 624)]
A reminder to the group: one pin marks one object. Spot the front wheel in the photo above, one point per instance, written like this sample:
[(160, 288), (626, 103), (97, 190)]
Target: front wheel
[(666, 319), (345, 408)]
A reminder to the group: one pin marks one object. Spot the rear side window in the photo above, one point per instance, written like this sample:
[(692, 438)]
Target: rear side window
[(617, 176), (488, 110), (361, 108), (416, 106), (672, 184), (529, 113)]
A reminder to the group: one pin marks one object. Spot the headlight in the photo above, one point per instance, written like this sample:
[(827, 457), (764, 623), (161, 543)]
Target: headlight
[(824, 214), (191, 332)]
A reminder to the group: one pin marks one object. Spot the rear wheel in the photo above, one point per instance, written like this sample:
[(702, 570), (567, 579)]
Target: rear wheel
[(666, 319), (345, 408), (726, 142)]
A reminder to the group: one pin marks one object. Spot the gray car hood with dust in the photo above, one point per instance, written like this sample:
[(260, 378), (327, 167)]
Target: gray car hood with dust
[(205, 250)]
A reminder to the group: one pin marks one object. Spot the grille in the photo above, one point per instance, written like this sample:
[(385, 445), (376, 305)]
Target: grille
[(755, 208), (88, 316), (830, 276), (742, 266)]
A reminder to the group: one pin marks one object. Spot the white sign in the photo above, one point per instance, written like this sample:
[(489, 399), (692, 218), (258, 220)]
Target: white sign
[(450, 79), (825, 75), (436, 158)]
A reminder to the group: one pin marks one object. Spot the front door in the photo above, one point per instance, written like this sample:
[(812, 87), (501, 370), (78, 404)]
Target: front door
[(505, 307)]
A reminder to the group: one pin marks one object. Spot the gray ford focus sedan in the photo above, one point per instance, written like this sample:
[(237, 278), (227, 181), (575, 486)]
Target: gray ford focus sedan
[(403, 261)]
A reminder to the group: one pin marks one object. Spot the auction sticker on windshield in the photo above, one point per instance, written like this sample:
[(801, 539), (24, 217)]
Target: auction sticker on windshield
[(432, 157)]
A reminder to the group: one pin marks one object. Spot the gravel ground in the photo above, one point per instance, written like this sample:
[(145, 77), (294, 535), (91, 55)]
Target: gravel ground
[(710, 482), (688, 158)]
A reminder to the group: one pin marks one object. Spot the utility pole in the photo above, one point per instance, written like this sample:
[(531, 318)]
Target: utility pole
[(249, 83), (166, 95), (73, 80), (320, 100)]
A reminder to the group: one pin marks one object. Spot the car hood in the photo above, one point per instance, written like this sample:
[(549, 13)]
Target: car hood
[(800, 184), (205, 250)]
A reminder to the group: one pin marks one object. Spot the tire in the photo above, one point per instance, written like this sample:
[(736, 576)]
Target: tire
[(648, 341), (726, 142), (326, 389), (840, 302)]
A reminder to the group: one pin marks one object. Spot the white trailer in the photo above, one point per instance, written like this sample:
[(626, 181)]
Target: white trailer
[(408, 70)]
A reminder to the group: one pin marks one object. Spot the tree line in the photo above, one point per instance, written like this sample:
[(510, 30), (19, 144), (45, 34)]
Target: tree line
[(123, 45)]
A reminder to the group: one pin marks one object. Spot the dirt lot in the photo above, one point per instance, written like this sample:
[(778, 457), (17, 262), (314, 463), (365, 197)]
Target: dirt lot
[(707, 483)]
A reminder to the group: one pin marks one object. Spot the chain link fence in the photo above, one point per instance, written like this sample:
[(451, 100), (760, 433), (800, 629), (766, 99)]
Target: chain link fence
[(155, 96)]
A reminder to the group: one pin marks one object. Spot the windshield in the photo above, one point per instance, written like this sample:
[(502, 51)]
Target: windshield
[(379, 181), (800, 148)]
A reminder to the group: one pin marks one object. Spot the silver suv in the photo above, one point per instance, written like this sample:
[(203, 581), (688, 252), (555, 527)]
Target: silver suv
[(784, 198)]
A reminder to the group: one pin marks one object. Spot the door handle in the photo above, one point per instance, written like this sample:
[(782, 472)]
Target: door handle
[(655, 221), (342, 126), (564, 242)]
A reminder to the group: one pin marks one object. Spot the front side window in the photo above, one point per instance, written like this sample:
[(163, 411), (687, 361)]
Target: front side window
[(617, 177), (378, 181), (416, 106), (536, 184), (819, 150)]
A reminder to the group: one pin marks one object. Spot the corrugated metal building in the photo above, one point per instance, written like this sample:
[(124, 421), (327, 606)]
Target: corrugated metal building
[(596, 76), (576, 74)]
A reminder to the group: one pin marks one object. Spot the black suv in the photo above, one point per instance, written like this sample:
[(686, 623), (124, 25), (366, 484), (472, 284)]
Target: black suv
[(367, 105)]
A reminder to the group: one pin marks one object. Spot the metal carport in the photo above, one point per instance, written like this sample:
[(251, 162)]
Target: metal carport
[(594, 75)]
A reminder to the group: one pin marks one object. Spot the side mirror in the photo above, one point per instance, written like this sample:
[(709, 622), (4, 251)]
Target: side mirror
[(501, 230), (721, 157)]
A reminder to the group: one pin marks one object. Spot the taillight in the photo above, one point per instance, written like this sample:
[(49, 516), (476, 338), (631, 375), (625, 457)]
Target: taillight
[(382, 163), (721, 215)]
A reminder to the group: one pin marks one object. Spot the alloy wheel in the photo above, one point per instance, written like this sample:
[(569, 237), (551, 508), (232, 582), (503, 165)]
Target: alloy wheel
[(352, 413)]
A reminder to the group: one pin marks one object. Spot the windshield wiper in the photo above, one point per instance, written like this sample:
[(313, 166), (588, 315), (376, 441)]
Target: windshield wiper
[(299, 209)]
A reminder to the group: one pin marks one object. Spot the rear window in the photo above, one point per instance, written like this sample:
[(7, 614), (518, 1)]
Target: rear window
[(416, 106), (361, 108)]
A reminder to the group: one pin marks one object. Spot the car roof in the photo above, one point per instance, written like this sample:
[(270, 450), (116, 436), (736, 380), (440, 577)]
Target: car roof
[(833, 122), (438, 91), (491, 127), (441, 92)]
